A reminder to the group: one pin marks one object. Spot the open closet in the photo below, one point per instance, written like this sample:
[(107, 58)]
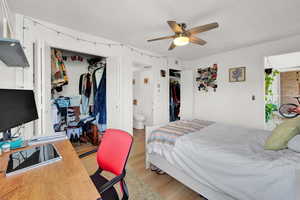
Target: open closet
[(78, 95), (174, 100), (109, 103)]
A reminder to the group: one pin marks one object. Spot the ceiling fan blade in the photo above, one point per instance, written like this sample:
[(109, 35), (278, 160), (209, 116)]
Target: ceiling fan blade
[(196, 40), (175, 27), (161, 38), (172, 46), (200, 29)]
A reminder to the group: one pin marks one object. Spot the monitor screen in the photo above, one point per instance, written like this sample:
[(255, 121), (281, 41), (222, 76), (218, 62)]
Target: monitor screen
[(16, 107)]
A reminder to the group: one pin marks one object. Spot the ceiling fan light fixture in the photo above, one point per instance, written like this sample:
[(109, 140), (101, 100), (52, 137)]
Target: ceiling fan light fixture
[(181, 41)]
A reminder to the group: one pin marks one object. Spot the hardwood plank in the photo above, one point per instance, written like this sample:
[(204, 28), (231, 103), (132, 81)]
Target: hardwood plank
[(165, 185)]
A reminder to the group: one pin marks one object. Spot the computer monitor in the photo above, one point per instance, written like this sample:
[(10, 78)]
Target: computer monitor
[(17, 107)]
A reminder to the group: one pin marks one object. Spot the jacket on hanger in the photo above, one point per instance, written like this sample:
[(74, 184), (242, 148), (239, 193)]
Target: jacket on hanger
[(100, 100), (85, 85), (96, 78)]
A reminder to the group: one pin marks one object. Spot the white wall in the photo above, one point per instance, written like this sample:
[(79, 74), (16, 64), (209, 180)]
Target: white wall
[(8, 73), (283, 61), (8, 76), (232, 102)]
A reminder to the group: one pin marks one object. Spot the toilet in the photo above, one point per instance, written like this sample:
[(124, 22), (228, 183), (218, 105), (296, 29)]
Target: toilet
[(138, 121)]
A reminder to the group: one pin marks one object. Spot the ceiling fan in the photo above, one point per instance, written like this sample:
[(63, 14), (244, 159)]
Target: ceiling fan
[(183, 37)]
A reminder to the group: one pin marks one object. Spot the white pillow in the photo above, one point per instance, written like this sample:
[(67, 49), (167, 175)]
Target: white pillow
[(294, 144)]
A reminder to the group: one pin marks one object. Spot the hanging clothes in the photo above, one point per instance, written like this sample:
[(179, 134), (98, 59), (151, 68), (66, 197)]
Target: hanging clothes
[(85, 85), (84, 106), (85, 88), (95, 68), (96, 77), (174, 101), (59, 76), (62, 103), (100, 103), (172, 110)]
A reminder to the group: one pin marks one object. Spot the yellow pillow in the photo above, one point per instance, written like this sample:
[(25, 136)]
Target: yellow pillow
[(282, 134)]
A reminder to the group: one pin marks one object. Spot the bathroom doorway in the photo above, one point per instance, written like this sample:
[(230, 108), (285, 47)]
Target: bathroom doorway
[(142, 96)]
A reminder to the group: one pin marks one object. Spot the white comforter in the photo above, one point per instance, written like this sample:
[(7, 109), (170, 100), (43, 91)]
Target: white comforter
[(231, 160)]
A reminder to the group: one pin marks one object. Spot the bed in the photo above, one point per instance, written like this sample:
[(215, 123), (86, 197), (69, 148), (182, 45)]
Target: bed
[(225, 162)]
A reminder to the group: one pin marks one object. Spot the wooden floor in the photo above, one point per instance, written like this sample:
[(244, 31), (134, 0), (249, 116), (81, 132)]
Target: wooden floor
[(166, 186)]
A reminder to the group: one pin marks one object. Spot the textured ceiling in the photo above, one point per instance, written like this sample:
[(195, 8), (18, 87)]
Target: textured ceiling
[(242, 22)]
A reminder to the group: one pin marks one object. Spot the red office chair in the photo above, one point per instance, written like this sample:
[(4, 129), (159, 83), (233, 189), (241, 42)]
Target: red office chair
[(112, 156)]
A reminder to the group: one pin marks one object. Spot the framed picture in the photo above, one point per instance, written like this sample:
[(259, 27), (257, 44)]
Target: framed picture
[(207, 78), (237, 74)]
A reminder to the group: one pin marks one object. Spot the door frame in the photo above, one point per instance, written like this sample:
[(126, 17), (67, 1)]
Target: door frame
[(40, 76), (152, 88)]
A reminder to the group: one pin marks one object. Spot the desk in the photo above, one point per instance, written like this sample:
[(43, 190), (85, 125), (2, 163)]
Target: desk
[(63, 180)]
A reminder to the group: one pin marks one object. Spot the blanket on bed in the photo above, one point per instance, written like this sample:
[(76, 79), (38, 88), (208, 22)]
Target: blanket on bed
[(232, 160), (164, 138)]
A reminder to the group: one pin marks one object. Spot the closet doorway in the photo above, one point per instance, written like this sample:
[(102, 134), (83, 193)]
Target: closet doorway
[(142, 82), (174, 99), (118, 84), (67, 85), (78, 95)]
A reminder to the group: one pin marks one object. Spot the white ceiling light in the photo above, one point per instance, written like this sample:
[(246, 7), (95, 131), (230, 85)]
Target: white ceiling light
[(181, 41)]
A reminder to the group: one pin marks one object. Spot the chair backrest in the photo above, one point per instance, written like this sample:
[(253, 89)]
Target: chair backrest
[(114, 150)]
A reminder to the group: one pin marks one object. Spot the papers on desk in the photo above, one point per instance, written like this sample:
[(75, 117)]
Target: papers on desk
[(46, 139)]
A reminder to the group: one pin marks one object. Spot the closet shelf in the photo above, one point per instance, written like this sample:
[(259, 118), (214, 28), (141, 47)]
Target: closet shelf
[(12, 53)]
